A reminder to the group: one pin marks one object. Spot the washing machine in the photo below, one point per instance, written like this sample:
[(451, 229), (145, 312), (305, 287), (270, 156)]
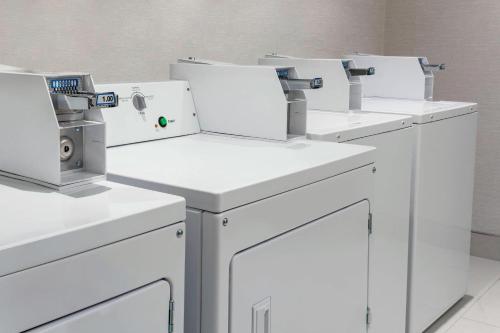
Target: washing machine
[(77, 253), (334, 115), (277, 230), (443, 180)]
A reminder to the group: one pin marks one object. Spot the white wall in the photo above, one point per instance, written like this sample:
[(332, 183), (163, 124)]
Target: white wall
[(465, 35), (119, 40)]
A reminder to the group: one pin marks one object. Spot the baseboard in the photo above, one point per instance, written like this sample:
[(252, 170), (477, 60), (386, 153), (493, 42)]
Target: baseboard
[(485, 246)]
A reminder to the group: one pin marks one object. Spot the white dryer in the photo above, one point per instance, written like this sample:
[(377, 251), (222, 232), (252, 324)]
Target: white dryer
[(443, 180), (79, 254), (331, 116), (102, 257), (277, 230)]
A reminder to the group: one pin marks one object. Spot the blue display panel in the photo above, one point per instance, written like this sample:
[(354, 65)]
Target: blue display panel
[(65, 84), (282, 73)]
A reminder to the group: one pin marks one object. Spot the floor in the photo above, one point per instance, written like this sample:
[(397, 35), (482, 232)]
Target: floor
[(479, 311)]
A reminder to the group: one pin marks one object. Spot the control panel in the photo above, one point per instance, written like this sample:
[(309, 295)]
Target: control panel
[(149, 111), (65, 135)]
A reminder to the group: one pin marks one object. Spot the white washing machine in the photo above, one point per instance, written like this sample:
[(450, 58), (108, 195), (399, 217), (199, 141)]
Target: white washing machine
[(443, 179), (277, 230), (77, 253), (330, 118)]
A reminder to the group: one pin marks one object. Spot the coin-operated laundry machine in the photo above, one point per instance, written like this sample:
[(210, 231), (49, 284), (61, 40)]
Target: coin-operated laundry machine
[(443, 178), (277, 226), (77, 253), (334, 115)]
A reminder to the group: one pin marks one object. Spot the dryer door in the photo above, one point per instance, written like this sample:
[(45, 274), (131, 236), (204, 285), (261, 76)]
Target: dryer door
[(143, 310), (312, 279)]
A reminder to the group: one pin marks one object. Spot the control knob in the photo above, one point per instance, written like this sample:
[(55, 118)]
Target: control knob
[(139, 102)]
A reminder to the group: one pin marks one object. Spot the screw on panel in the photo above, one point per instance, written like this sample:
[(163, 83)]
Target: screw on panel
[(403, 122), (338, 136), (179, 233), (79, 163), (225, 221), (188, 89), (432, 117), (374, 169)]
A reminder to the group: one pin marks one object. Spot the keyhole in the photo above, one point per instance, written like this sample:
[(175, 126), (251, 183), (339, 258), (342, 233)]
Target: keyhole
[(66, 149)]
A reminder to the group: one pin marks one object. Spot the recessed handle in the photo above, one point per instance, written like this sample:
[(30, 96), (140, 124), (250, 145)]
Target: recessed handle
[(261, 316)]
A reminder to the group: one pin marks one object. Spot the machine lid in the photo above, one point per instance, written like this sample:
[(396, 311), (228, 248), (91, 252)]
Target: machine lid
[(345, 126), (422, 111), (217, 173), (39, 225)]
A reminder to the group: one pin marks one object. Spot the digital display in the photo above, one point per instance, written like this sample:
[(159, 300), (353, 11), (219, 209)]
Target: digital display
[(105, 99), (282, 73), (65, 84)]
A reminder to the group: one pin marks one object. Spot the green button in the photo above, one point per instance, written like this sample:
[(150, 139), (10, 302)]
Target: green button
[(162, 121)]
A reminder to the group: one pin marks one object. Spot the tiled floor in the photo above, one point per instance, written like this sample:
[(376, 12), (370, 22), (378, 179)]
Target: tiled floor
[(479, 311)]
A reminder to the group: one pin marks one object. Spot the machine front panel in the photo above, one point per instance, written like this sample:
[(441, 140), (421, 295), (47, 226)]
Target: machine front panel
[(143, 310), (441, 217), (311, 279), (66, 286), (391, 223)]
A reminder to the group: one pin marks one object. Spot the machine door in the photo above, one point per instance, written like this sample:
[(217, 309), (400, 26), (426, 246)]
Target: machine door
[(142, 310), (312, 279)]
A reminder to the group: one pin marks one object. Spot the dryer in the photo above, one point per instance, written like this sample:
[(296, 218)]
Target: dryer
[(334, 115), (443, 180), (103, 257), (277, 229), (77, 253)]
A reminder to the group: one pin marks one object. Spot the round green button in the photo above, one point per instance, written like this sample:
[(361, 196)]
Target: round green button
[(162, 121)]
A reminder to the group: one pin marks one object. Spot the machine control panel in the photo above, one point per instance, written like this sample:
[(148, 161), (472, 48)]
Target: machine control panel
[(71, 97), (62, 102), (150, 111)]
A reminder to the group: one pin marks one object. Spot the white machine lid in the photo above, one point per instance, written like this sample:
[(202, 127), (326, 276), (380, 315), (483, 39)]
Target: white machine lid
[(422, 111), (345, 126), (217, 173), (39, 225)]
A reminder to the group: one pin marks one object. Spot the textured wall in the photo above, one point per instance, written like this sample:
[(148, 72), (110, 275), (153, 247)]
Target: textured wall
[(120, 40), (465, 35)]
